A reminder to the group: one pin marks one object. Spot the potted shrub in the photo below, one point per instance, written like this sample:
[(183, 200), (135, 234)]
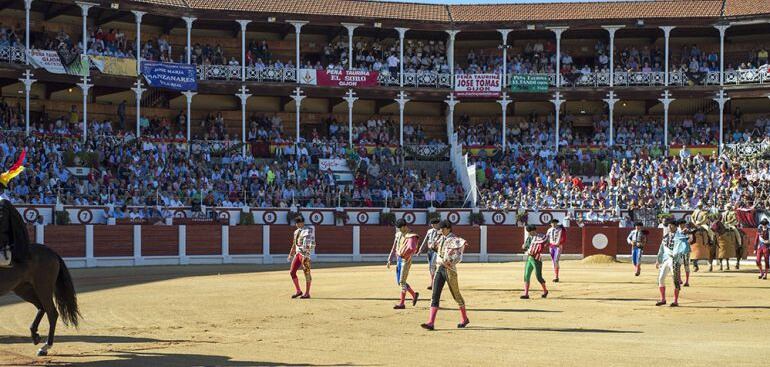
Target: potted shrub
[(247, 219), (433, 215), (477, 219), (387, 218), (340, 217), (62, 217)]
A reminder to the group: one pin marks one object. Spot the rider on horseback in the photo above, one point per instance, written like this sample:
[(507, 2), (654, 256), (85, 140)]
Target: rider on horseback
[(700, 220), (730, 220), (14, 239)]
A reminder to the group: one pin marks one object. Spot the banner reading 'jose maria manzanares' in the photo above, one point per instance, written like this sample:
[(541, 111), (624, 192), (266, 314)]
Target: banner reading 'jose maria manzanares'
[(180, 77)]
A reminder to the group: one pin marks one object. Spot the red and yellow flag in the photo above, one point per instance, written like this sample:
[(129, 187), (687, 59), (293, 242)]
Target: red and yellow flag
[(14, 171)]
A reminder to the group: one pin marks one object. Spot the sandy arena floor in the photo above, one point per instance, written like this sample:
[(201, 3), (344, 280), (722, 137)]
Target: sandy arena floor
[(600, 315)]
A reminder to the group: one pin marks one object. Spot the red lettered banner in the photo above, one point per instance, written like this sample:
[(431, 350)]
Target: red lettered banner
[(347, 78), (477, 85)]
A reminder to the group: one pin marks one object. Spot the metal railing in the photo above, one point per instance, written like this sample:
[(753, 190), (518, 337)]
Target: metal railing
[(434, 79), (747, 150)]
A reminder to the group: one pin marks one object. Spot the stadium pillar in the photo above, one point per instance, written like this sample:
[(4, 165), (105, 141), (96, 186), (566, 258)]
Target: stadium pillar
[(721, 99), (401, 103), (298, 30), (350, 98), (611, 100), (243, 24), (667, 35), (504, 102), (27, 8), (557, 101), (138, 17), (611, 29), (666, 100), (558, 31), (84, 6), (138, 90), (451, 102), (27, 74), (189, 96), (504, 46), (451, 55), (298, 97), (189, 21), (84, 86), (350, 27), (244, 96), (27, 80), (722, 28), (401, 34)]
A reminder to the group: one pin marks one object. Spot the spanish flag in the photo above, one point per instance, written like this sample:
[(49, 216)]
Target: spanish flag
[(15, 170)]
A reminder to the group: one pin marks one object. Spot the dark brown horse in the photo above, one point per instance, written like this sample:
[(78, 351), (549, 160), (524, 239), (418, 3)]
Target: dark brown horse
[(40, 279)]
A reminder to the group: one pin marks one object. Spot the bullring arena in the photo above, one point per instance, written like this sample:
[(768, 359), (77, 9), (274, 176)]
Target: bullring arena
[(179, 173), (242, 315)]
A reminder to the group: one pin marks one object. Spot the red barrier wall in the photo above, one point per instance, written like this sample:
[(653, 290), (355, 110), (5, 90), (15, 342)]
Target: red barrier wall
[(334, 240), (281, 238), (204, 239), (160, 241), (376, 239), (113, 241), (245, 240), (504, 239), (67, 241)]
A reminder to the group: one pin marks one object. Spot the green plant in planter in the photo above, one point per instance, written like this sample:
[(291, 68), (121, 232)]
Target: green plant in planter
[(388, 219), (62, 217), (433, 215), (290, 216), (247, 219), (477, 219), (664, 215), (341, 215)]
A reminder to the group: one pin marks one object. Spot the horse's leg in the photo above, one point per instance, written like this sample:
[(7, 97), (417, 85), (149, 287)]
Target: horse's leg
[(35, 324), (46, 300), (26, 293)]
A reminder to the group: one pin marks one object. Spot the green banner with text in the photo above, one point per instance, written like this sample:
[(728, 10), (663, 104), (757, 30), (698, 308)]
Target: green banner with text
[(536, 83)]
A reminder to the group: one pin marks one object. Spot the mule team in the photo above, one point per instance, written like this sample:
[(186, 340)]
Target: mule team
[(716, 237)]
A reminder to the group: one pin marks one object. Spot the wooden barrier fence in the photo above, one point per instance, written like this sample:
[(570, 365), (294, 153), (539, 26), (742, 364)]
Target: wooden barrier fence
[(131, 245)]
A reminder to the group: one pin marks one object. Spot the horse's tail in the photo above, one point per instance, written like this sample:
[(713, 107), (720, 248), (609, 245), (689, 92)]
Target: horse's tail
[(66, 298)]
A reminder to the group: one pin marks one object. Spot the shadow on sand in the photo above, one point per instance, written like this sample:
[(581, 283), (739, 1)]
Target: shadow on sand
[(555, 330), (143, 359), (95, 279)]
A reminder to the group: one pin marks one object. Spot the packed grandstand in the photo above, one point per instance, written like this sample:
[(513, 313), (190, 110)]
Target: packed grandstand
[(616, 107)]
